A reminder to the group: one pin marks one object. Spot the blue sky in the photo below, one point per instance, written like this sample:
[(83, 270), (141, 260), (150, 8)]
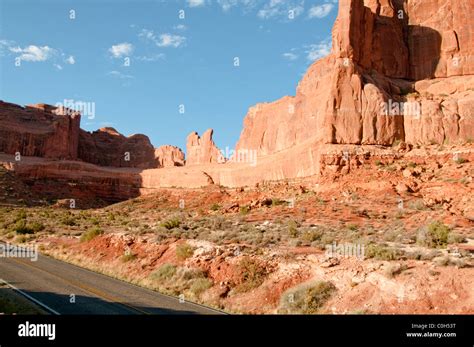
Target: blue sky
[(56, 50)]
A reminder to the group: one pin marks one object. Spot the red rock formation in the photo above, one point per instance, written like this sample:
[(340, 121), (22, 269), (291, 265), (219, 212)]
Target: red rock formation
[(386, 55), (169, 156), (107, 147), (202, 150), (39, 130), (54, 132), (379, 46)]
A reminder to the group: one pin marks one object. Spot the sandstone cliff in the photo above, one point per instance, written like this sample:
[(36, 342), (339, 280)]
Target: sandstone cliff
[(384, 53), (38, 130), (169, 156), (202, 150), (107, 147), (54, 132)]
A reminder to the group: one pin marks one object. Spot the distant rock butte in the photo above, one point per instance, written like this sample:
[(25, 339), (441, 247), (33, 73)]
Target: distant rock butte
[(202, 150), (400, 71), (169, 156), (38, 130), (54, 132)]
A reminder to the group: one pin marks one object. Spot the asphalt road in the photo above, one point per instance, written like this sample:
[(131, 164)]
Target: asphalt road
[(50, 283)]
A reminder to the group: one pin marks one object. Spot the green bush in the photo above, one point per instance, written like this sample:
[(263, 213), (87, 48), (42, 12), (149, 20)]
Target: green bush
[(164, 272), (184, 251), (455, 238), (200, 285), (461, 161), (244, 210), (37, 226), (69, 221), (21, 214), (253, 274), (21, 228), (215, 207), (278, 202), (380, 252), (129, 257), (292, 228), (91, 234), (437, 235), (307, 298), (171, 223), (312, 235)]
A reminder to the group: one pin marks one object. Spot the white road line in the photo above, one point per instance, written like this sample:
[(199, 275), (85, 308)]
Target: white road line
[(29, 297)]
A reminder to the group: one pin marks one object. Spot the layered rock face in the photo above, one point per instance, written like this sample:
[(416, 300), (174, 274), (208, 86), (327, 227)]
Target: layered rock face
[(107, 147), (169, 156), (39, 130), (202, 150), (369, 89)]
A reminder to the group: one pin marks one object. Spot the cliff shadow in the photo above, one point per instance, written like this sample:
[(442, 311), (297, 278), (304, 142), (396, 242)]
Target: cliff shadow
[(394, 47), (424, 48)]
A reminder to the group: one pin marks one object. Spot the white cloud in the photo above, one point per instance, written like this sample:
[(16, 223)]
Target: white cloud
[(163, 40), (34, 53), (120, 75), (196, 3), (71, 60), (320, 11), (169, 40), (290, 56), (318, 50), (57, 66), (121, 49), (281, 8), (247, 5)]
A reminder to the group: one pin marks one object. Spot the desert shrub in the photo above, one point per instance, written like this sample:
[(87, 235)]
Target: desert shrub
[(91, 234), (391, 270), (188, 274), (441, 261), (418, 205), (435, 235), (69, 221), (455, 238), (164, 272), (21, 239), (461, 160), (129, 257), (171, 223), (292, 228), (253, 274), (278, 202), (21, 214), (94, 221), (200, 285), (380, 252), (244, 210), (215, 207), (307, 298), (312, 235), (21, 228), (352, 227), (184, 251), (37, 227)]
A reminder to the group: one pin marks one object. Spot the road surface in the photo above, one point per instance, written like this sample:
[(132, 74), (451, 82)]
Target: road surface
[(52, 284)]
